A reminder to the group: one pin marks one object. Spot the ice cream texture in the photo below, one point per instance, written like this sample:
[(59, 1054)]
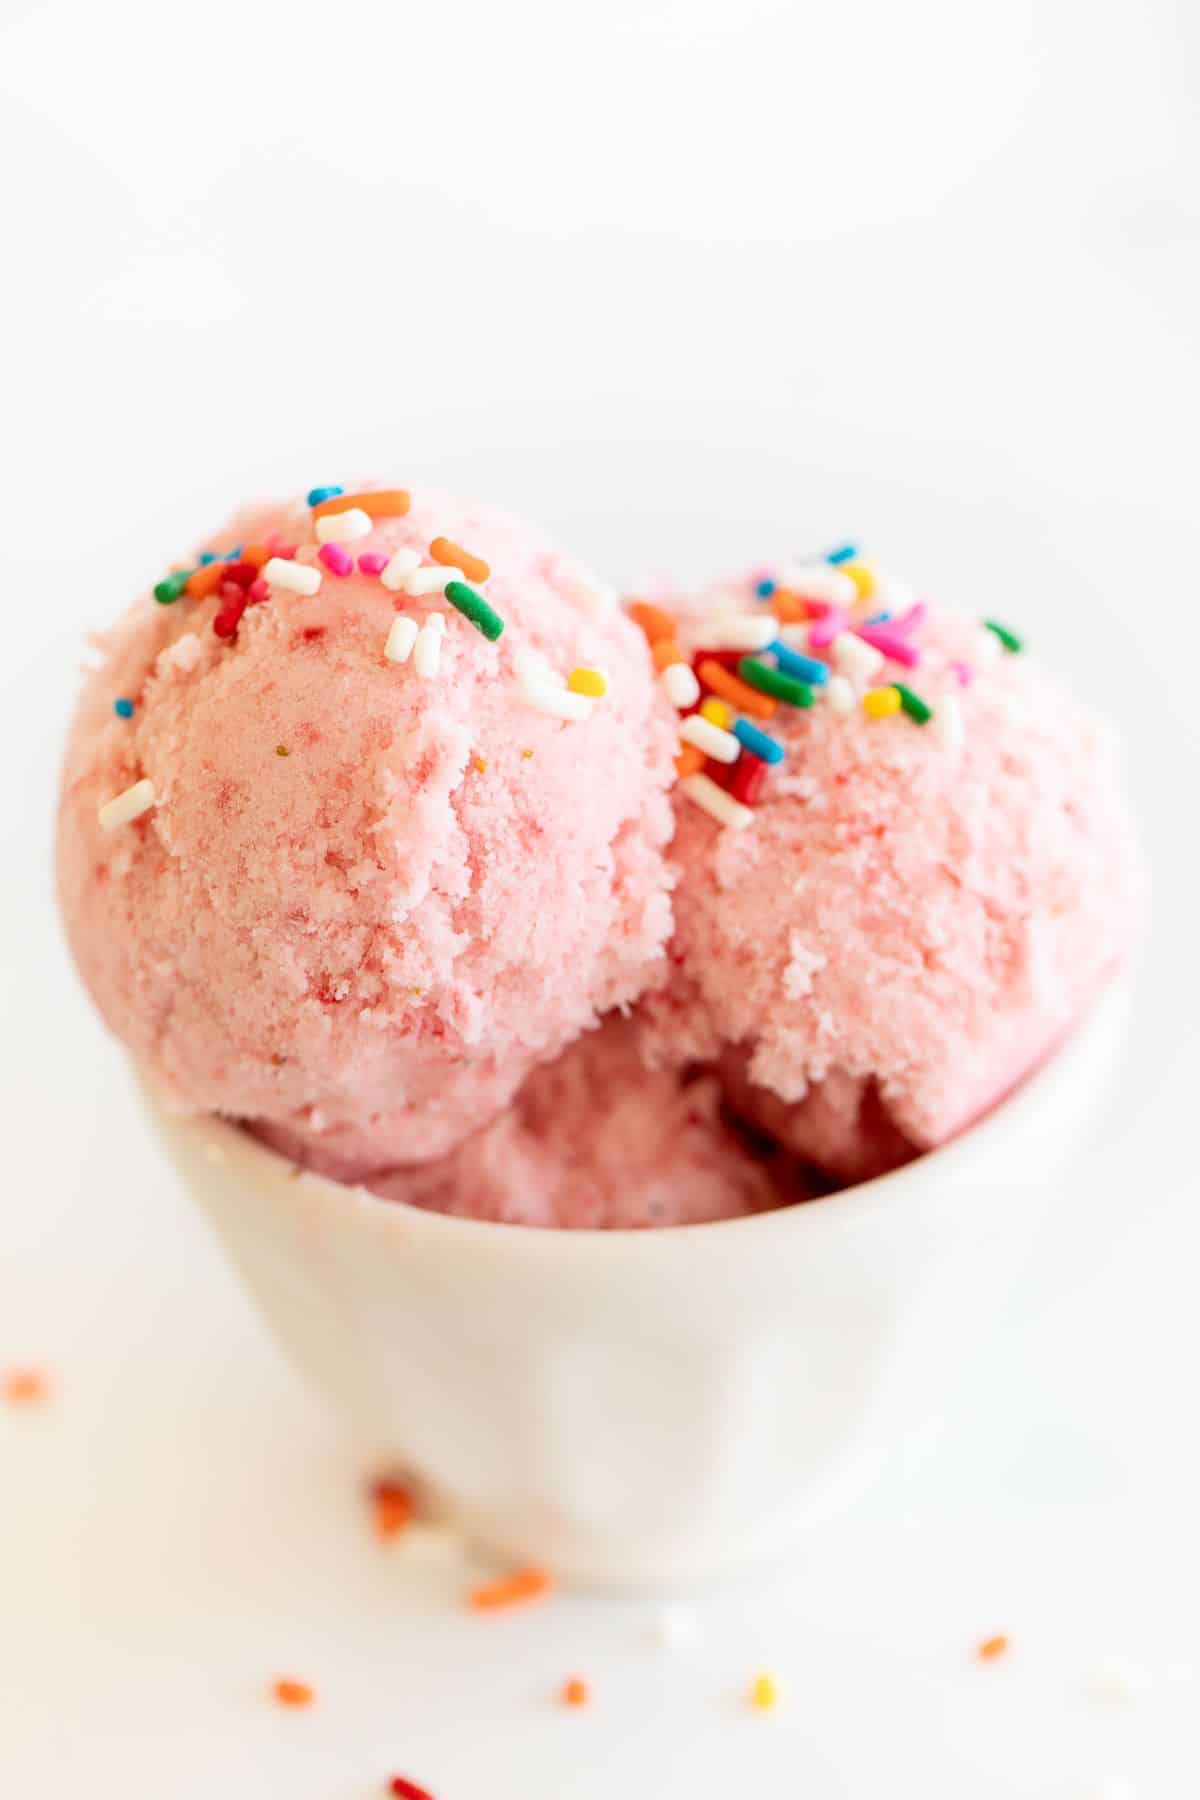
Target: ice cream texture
[(363, 831), (366, 896)]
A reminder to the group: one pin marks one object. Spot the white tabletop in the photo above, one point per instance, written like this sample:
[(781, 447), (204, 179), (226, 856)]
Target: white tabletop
[(693, 284)]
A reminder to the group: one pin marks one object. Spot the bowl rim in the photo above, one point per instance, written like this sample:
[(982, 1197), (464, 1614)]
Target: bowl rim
[(1068, 1057)]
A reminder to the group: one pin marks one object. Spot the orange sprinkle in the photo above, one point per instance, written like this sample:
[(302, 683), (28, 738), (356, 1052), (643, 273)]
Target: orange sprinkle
[(257, 554), (738, 693), (653, 620), (665, 651), (481, 765), (992, 1647), (575, 1692), (453, 556), (25, 1387), (205, 581), (389, 503), (689, 761), (393, 1507), (789, 608), (292, 1693), (510, 1590)]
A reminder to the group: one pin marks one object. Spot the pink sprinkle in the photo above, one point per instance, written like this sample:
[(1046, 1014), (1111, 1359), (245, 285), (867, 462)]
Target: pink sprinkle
[(372, 563), (337, 559), (893, 645), (258, 591), (965, 673), (822, 634), (286, 551), (908, 621)]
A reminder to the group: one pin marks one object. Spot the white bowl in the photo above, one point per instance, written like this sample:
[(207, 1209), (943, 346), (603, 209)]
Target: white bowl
[(641, 1407)]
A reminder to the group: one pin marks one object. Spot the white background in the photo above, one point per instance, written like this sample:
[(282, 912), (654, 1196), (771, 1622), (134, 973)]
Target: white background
[(693, 282)]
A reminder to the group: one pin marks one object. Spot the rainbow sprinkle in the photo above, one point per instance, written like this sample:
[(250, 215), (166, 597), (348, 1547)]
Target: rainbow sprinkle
[(123, 708), (1009, 639)]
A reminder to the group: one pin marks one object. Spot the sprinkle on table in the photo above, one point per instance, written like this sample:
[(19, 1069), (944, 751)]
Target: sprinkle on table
[(123, 708), (453, 556), (575, 1691), (775, 682), (392, 1509), (1008, 638), (881, 702), (510, 1590), (992, 1647), (474, 607), (764, 1693), (286, 1691), (127, 806), (24, 1387), (401, 1788)]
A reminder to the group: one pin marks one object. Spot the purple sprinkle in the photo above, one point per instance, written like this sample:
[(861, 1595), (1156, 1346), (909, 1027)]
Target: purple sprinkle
[(337, 559), (372, 563)]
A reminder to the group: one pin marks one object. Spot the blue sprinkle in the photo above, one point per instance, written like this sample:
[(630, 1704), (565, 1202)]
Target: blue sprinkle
[(879, 618), (802, 668), (317, 495), (765, 589), (123, 709), (758, 743), (843, 553), (234, 555), (207, 556)]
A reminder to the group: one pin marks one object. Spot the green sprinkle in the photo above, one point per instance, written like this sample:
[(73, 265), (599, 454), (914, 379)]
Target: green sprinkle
[(168, 590), (913, 704), (1008, 638), (772, 681), (473, 606)]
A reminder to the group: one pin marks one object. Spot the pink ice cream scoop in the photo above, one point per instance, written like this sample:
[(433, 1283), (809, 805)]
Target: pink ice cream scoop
[(931, 885), (340, 850), (595, 1139)]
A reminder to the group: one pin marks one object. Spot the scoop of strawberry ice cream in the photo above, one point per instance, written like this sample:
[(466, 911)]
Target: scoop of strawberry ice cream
[(595, 1139), (366, 897), (917, 911)]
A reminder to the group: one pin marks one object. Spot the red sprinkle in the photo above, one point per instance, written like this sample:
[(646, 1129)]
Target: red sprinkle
[(258, 591), (393, 1508), (372, 563), (337, 559), (748, 777), (404, 1789), (243, 573), (227, 620), (728, 659)]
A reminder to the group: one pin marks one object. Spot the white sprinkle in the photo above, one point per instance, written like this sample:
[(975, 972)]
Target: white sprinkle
[(401, 638), (739, 631), (1117, 1679), (343, 527), (556, 702), (431, 581), (293, 577), (987, 648), (675, 1627), (859, 661), (890, 594), (436, 621), (678, 682), (427, 652), (947, 721), (839, 694), (820, 581), (130, 805), (796, 637), (721, 745), (400, 567), (703, 791)]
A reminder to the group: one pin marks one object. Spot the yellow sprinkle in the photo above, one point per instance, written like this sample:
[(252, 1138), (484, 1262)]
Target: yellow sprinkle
[(716, 712), (481, 764), (881, 703), (587, 681), (282, 750), (862, 578), (527, 753), (417, 991), (764, 1694)]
